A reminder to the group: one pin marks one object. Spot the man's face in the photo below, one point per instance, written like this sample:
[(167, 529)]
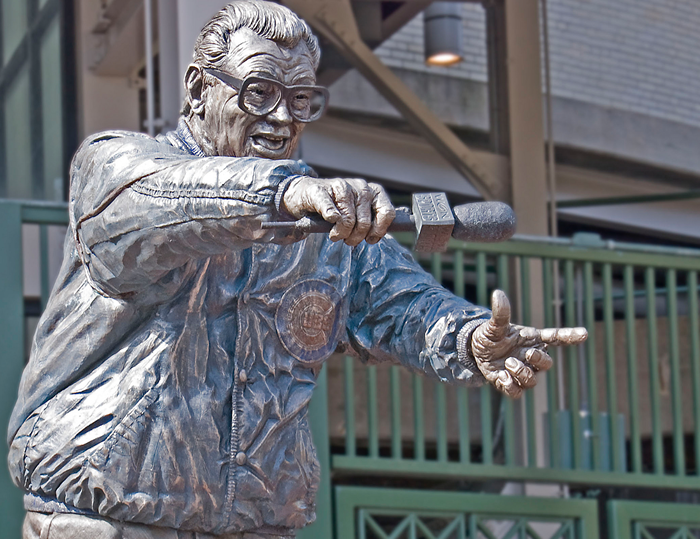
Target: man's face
[(234, 132)]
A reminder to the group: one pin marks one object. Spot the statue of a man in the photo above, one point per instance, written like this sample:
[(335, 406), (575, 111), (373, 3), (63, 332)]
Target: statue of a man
[(167, 390)]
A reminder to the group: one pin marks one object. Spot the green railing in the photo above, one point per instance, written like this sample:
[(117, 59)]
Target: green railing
[(13, 215), (623, 409), (652, 520), (13, 336), (380, 513)]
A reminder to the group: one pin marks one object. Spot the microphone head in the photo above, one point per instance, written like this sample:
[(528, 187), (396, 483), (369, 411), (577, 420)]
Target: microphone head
[(484, 222)]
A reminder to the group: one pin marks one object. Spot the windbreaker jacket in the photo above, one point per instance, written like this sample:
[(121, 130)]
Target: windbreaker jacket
[(170, 374)]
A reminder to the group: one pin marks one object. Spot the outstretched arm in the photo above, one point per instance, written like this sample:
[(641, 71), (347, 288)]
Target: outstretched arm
[(142, 209)]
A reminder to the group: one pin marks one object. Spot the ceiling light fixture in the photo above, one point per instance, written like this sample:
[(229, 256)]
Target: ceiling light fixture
[(443, 33)]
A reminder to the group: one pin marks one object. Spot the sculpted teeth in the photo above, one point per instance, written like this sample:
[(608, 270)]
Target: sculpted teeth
[(269, 141)]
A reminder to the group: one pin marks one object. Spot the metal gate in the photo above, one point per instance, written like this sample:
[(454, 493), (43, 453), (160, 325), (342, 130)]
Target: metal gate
[(379, 513), (653, 520)]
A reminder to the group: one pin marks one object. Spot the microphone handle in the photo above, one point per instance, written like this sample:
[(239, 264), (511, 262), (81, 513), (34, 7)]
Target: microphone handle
[(483, 222), (311, 224)]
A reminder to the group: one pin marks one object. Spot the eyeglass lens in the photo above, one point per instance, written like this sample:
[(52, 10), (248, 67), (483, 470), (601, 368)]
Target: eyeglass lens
[(262, 97)]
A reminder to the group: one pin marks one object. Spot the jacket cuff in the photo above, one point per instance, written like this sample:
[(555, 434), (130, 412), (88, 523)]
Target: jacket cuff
[(281, 190), (464, 344)]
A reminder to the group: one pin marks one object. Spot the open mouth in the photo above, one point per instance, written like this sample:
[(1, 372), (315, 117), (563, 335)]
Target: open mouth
[(269, 141)]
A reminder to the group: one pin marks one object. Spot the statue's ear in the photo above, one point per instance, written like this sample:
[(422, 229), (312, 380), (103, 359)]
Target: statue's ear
[(194, 89)]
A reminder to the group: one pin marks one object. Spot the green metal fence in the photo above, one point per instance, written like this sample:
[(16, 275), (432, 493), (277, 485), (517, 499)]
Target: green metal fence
[(623, 409), (653, 520), (12, 324), (379, 513)]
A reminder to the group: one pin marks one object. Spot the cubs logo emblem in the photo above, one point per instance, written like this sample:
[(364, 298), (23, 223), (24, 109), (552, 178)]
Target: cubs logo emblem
[(308, 320)]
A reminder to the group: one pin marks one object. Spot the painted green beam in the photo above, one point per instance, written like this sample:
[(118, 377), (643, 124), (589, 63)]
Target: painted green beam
[(435, 469), (44, 213), (617, 253), (622, 513), (441, 504), (12, 354)]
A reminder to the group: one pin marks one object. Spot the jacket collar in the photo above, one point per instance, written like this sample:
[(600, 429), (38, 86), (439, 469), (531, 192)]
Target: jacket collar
[(188, 143)]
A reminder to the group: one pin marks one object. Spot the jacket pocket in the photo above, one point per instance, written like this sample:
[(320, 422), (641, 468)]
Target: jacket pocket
[(128, 434)]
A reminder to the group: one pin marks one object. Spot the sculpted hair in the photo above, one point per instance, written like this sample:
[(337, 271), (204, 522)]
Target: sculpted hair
[(267, 19)]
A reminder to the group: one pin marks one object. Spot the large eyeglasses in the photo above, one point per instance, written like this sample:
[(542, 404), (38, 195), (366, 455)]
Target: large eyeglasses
[(260, 96)]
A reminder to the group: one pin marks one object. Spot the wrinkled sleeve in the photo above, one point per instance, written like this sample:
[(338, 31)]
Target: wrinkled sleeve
[(141, 209), (399, 313)]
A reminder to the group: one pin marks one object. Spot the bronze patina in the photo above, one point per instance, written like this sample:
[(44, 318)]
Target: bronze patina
[(167, 390)]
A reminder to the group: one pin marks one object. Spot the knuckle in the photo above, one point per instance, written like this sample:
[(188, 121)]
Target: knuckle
[(363, 224)]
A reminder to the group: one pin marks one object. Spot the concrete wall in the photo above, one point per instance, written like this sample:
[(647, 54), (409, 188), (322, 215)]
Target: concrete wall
[(105, 102), (633, 55), (625, 78)]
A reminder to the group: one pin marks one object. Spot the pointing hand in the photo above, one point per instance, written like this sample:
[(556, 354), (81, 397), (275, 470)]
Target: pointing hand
[(509, 355)]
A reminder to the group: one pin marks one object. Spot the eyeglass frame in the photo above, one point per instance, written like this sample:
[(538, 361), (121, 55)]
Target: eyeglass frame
[(242, 84)]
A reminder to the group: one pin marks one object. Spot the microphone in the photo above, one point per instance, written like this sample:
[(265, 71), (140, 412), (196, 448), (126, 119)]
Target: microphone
[(484, 222), (432, 221)]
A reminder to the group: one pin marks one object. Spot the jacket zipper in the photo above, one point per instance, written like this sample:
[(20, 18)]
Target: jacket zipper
[(236, 400)]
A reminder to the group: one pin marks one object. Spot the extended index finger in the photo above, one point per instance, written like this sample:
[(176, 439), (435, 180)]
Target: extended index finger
[(558, 336)]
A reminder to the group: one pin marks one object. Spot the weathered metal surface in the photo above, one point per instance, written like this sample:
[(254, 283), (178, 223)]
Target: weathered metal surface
[(108, 396)]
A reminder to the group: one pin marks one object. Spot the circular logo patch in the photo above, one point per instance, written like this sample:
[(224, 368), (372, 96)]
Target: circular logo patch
[(308, 320)]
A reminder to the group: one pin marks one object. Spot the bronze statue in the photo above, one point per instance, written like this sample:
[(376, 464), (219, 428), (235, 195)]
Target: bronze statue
[(167, 390)]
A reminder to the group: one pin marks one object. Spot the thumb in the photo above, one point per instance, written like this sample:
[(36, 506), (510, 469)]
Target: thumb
[(499, 323)]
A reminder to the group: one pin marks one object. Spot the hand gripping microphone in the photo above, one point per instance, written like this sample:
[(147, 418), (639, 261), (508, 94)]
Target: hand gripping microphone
[(433, 222)]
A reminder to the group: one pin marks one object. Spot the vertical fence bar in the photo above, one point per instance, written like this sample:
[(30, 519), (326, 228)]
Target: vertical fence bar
[(44, 264), (350, 438), (459, 273), (418, 418), (463, 418), (572, 367), (653, 346), (675, 360), (436, 266), (395, 392), (526, 302), (611, 377), (552, 390), (632, 376), (441, 421), (591, 370), (12, 339), (695, 358), (318, 418), (508, 405), (372, 412), (486, 419), (462, 394)]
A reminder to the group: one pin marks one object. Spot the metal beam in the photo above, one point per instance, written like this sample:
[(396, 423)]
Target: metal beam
[(334, 20), (640, 199), (394, 22)]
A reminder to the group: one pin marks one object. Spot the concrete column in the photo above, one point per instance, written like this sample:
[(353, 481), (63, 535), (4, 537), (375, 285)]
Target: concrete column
[(169, 63), (525, 124), (179, 24), (526, 120), (191, 17)]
